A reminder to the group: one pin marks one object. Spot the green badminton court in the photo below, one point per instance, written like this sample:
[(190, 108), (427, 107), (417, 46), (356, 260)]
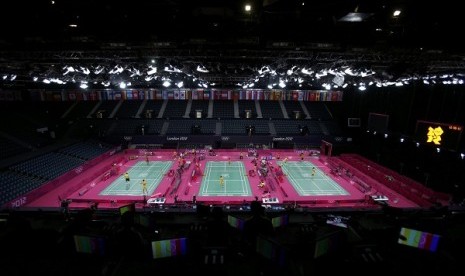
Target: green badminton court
[(299, 174), (236, 182), (152, 172)]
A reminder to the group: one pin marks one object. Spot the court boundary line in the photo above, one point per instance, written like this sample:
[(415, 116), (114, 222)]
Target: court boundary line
[(115, 190), (238, 169), (332, 188)]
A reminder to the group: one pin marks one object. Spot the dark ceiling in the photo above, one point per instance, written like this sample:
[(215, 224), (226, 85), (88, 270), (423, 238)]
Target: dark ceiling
[(225, 22), (221, 35)]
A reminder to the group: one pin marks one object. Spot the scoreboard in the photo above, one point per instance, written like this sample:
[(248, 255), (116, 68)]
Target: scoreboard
[(438, 134)]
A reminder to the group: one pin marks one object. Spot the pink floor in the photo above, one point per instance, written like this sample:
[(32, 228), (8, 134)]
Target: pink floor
[(84, 189)]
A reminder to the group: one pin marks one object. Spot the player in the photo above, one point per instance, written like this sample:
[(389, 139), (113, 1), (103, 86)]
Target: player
[(301, 156), (146, 159), (221, 181), (126, 177), (261, 184), (144, 187), (229, 160), (313, 171), (241, 156)]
